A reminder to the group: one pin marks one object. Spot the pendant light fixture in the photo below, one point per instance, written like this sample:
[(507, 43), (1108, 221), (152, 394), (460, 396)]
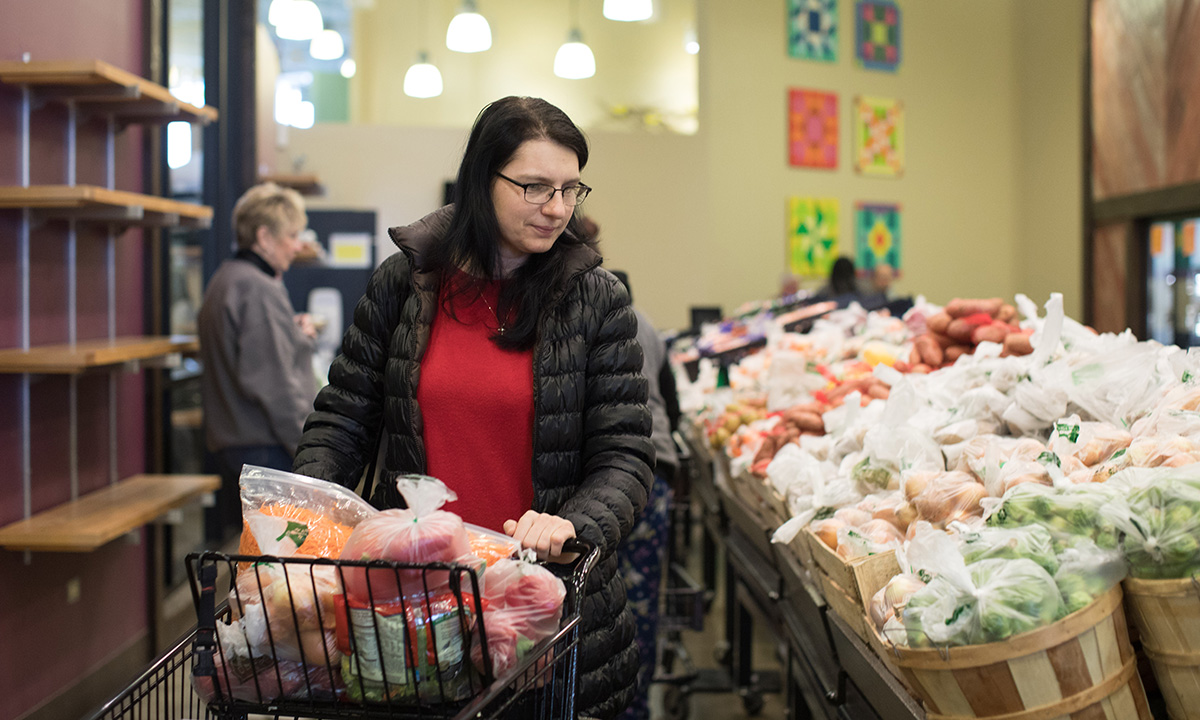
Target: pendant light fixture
[(277, 11), (628, 10), (299, 20), (423, 79), (469, 31), (574, 59), (327, 45)]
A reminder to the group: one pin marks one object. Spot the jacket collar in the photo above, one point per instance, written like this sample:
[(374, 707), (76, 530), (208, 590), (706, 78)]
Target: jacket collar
[(417, 238), (256, 260)]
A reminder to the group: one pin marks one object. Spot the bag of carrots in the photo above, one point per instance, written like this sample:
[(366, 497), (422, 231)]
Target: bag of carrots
[(285, 514)]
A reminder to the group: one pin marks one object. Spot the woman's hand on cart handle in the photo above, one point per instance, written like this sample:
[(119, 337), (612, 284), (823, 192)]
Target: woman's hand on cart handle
[(544, 534)]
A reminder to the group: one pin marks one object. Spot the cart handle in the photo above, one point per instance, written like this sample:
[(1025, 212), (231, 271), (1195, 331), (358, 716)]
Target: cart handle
[(589, 557)]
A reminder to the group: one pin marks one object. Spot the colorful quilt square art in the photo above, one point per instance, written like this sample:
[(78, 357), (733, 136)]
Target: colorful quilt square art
[(812, 129), (877, 34), (812, 29), (877, 236), (812, 235), (878, 136)]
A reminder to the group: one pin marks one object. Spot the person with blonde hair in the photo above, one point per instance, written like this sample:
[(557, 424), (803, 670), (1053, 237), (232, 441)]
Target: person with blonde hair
[(258, 384)]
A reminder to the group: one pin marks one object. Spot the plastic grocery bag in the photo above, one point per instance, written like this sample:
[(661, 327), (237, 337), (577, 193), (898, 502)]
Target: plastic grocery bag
[(522, 606), (286, 514), (1032, 542), (890, 601), (1068, 513), (992, 601), (1159, 521), (871, 538), (241, 674), (1086, 572), (944, 497), (287, 611), (420, 534), (1090, 442)]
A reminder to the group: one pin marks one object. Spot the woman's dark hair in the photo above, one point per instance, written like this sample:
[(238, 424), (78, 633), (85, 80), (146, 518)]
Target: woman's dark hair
[(841, 277), (473, 239)]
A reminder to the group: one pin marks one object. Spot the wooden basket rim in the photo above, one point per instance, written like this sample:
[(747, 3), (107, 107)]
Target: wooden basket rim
[(958, 656), (1174, 659), (849, 563), (1168, 587)]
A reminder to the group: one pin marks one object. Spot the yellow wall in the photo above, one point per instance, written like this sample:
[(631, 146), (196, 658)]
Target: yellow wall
[(990, 193), (1049, 210)]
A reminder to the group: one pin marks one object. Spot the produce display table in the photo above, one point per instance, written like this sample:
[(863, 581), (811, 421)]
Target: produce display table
[(867, 676), (830, 672)]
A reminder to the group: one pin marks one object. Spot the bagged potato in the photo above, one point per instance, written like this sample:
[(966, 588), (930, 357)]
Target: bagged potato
[(891, 599)]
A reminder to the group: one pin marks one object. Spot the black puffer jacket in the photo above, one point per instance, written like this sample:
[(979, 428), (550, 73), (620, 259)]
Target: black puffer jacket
[(592, 453)]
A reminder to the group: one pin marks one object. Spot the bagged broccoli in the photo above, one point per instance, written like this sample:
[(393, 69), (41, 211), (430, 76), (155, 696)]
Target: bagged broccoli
[(996, 600), (1031, 542), (1086, 572), (1068, 513), (1160, 523), (962, 604)]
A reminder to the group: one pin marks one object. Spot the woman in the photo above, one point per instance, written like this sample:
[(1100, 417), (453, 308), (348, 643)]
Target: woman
[(494, 344), (258, 383), (842, 280)]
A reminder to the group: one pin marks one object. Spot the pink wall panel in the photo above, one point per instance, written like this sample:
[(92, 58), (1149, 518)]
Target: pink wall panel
[(68, 641)]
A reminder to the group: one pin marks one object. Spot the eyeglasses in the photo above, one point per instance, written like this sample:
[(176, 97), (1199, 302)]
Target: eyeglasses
[(540, 194)]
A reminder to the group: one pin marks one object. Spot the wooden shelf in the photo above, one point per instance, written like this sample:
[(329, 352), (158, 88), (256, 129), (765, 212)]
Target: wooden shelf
[(105, 515), (87, 354), (102, 205), (96, 85), (305, 184)]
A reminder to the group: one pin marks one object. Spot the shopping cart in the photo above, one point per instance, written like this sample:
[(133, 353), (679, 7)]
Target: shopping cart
[(430, 644)]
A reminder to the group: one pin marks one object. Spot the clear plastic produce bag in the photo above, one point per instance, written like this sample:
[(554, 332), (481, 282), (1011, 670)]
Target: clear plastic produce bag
[(286, 514), (422, 533), (993, 600), (1086, 572), (1159, 521), (523, 605), (1031, 542)]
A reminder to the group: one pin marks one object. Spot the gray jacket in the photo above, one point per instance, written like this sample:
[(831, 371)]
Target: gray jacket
[(258, 383), (654, 350)]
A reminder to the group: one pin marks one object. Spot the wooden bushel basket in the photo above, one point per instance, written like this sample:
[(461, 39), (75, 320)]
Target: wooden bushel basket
[(1167, 613), (1079, 667)]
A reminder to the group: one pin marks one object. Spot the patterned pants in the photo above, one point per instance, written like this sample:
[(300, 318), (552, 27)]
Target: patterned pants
[(641, 557)]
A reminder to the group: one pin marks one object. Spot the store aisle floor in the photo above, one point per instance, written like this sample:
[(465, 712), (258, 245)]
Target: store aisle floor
[(702, 647)]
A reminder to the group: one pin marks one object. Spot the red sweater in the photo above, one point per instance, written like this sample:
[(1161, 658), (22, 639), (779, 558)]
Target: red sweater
[(476, 401)]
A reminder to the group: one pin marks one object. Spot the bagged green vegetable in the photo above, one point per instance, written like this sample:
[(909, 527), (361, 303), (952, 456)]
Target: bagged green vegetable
[(986, 601), (1159, 522), (1031, 542), (999, 599), (1068, 513), (1086, 572)]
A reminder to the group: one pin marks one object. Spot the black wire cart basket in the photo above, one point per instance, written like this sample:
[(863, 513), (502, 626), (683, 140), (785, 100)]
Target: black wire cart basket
[(402, 641)]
